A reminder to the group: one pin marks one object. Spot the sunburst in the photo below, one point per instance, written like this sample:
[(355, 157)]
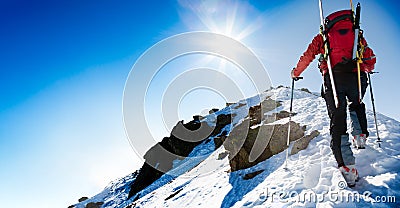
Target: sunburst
[(235, 19)]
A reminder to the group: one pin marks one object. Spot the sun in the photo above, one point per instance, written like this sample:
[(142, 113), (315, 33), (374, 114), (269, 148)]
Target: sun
[(238, 20), (235, 19), (232, 18)]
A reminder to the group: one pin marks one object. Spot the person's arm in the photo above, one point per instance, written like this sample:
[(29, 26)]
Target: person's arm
[(314, 48), (368, 59)]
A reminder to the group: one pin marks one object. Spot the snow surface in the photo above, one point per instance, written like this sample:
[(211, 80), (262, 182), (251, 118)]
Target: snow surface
[(312, 178)]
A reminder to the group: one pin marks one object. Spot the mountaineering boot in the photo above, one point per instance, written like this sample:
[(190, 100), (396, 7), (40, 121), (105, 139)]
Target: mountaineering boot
[(350, 174), (359, 141), (354, 171)]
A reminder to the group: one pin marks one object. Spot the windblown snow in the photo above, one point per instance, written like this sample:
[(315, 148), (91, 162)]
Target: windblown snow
[(311, 180)]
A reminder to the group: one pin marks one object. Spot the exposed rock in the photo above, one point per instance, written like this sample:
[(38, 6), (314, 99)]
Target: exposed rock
[(222, 121), (252, 175), (213, 110), (240, 105), (218, 141), (303, 142), (278, 143), (94, 205), (305, 90), (256, 113), (277, 116), (283, 114), (147, 175), (183, 139), (222, 155), (247, 147), (173, 194), (82, 199), (251, 142), (197, 118)]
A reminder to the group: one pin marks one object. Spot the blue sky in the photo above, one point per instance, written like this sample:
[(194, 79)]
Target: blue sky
[(64, 64)]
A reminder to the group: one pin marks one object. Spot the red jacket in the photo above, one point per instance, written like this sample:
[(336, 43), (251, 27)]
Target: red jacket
[(316, 47)]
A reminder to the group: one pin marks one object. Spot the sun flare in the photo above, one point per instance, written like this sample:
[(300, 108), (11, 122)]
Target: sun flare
[(231, 18), (235, 19)]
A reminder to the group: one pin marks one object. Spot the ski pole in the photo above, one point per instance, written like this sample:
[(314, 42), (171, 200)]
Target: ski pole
[(373, 106), (290, 119)]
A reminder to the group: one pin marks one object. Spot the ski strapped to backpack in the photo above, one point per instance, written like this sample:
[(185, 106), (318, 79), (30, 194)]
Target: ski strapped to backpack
[(357, 48), (358, 51), (326, 55)]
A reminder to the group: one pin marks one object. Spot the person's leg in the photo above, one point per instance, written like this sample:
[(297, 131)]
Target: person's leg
[(358, 119), (338, 119), (354, 123), (340, 140), (347, 167), (347, 153)]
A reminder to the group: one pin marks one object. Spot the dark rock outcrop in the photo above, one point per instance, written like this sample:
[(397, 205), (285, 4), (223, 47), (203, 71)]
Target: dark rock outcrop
[(183, 139), (82, 199), (94, 205), (213, 110), (90, 204), (256, 113), (303, 142), (305, 90), (252, 175)]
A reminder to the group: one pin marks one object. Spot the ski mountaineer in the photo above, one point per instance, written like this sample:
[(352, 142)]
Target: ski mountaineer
[(339, 33)]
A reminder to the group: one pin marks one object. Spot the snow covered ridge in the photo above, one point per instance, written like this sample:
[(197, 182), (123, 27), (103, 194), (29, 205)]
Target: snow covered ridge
[(312, 179)]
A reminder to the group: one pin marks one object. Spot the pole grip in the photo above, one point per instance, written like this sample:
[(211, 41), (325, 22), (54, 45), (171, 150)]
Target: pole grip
[(297, 78)]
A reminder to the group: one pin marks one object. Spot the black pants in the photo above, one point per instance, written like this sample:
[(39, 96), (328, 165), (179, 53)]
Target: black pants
[(347, 90)]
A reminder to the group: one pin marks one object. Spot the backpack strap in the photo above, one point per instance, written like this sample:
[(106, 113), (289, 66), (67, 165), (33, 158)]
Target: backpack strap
[(329, 23)]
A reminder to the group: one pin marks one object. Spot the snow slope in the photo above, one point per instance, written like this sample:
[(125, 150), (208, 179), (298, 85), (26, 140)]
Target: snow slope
[(312, 179)]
